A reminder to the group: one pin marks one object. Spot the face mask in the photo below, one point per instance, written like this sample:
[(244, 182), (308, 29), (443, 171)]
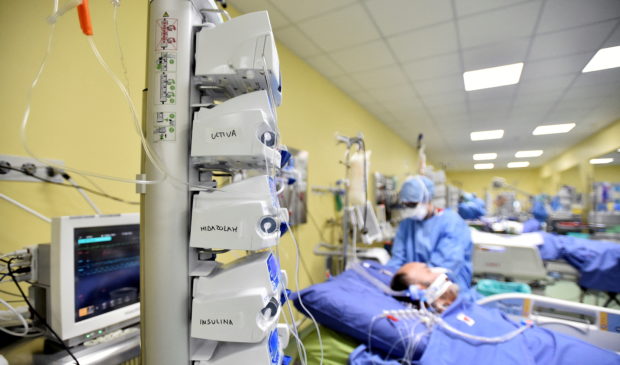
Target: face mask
[(419, 213)]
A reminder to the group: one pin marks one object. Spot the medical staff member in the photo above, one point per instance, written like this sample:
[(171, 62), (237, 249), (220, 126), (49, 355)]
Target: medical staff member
[(439, 238), (471, 207)]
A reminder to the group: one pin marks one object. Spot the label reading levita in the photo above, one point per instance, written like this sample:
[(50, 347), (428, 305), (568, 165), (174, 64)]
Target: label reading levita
[(219, 228)]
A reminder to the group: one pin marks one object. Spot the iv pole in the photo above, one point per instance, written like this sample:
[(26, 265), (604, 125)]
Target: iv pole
[(165, 207), (349, 142)]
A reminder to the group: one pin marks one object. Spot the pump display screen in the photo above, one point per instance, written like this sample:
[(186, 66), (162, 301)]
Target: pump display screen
[(107, 269)]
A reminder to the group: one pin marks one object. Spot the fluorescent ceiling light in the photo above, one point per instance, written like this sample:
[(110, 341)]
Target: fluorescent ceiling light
[(603, 59), (483, 166), (485, 156), (553, 128), (492, 77), (532, 153), (517, 164), (601, 161), (484, 135)]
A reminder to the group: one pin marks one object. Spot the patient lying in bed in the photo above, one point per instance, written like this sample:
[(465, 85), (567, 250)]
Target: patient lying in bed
[(354, 304)]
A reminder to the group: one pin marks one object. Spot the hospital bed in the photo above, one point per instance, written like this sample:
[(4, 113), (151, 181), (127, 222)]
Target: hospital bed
[(597, 325), (517, 258), (349, 306), (541, 258)]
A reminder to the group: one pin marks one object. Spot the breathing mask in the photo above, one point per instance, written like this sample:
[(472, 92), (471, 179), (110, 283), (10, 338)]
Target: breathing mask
[(429, 295)]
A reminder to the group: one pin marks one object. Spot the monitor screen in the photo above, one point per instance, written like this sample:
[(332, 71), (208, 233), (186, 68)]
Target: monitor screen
[(106, 269)]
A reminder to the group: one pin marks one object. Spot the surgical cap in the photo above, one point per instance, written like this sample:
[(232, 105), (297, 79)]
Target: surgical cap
[(417, 189)]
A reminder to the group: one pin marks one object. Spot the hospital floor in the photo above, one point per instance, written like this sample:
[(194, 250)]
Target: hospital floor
[(570, 291)]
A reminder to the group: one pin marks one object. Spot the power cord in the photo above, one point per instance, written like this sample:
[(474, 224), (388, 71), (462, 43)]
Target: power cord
[(34, 311), (67, 177)]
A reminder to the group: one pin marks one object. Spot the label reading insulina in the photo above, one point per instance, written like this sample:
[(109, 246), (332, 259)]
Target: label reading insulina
[(217, 322)]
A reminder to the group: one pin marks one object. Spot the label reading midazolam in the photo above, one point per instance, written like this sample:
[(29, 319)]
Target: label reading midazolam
[(218, 228)]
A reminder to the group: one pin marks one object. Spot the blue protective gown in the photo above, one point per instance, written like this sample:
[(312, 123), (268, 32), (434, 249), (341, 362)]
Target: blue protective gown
[(472, 209), (444, 240), (598, 262)]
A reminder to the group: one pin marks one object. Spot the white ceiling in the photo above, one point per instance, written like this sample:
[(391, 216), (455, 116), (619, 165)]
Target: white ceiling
[(403, 60)]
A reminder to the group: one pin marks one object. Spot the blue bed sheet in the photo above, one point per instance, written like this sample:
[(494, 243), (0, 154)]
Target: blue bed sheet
[(350, 304), (534, 346), (598, 262)]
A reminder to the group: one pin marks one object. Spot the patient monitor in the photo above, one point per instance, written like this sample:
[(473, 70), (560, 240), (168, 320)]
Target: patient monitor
[(88, 279), (245, 215), (239, 301), (245, 59), (239, 133)]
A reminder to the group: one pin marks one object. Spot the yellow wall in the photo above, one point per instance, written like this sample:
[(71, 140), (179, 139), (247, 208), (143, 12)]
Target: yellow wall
[(607, 173), (571, 177), (571, 167), (79, 117), (479, 180), (600, 143)]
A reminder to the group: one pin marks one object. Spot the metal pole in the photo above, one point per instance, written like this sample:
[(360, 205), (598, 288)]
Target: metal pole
[(165, 211)]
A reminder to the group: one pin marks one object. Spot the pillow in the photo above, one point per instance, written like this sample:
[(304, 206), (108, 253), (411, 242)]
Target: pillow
[(350, 304)]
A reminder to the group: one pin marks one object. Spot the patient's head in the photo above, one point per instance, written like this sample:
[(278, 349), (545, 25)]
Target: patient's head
[(419, 274)]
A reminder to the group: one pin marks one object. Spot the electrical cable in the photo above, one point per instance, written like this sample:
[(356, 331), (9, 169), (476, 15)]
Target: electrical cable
[(34, 311), (316, 226), (8, 292), (92, 191), (301, 303), (301, 349), (19, 316), (305, 267), (24, 207), (82, 193)]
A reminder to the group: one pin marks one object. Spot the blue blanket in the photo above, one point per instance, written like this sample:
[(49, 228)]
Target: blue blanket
[(598, 262), (350, 304)]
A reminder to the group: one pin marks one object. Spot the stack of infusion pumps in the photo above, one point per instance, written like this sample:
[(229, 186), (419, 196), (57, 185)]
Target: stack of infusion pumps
[(235, 307)]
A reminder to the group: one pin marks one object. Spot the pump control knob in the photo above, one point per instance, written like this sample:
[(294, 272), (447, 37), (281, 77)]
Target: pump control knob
[(268, 225), (268, 139)]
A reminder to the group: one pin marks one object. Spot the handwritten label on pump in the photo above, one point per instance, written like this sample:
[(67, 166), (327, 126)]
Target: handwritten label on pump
[(223, 135), (218, 228)]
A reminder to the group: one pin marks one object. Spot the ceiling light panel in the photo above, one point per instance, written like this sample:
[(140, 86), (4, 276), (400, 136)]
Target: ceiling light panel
[(604, 59), (553, 129), (485, 156), (485, 135), (601, 161), (483, 166), (518, 164), (492, 77), (525, 154)]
